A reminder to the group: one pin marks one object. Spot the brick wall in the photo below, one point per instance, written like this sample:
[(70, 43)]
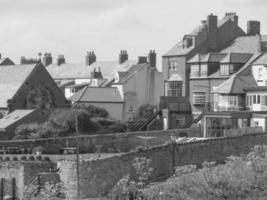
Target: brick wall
[(97, 177)]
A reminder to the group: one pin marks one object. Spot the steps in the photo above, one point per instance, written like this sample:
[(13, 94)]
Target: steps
[(141, 123)]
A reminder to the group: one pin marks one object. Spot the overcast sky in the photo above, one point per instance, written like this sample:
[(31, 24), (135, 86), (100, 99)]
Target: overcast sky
[(72, 27)]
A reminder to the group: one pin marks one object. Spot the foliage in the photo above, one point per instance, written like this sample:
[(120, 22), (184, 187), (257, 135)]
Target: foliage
[(94, 111), (239, 178), (145, 110), (130, 187), (118, 127), (24, 131)]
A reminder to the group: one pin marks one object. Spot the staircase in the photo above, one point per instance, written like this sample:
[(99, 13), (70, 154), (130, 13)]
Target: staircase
[(33, 188), (194, 121), (141, 123)]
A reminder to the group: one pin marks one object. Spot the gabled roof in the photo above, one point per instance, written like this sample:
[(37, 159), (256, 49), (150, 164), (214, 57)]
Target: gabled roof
[(239, 81), (97, 94), (236, 58), (244, 44), (6, 61), (13, 117), (131, 71), (175, 77), (82, 71), (11, 79)]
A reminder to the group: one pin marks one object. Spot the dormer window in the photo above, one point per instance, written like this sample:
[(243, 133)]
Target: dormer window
[(226, 69)]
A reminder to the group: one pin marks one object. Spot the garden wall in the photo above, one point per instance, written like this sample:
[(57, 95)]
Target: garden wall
[(97, 177), (122, 142)]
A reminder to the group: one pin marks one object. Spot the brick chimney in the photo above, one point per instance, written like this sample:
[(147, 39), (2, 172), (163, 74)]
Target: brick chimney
[(232, 16), (152, 58), (0, 56), (60, 60), (212, 23), (123, 56), (90, 57), (253, 27), (47, 59)]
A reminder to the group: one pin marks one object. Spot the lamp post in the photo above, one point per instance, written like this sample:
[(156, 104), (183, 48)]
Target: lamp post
[(77, 155)]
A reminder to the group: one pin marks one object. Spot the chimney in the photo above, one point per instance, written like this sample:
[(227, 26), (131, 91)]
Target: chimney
[(142, 59), (90, 57), (253, 27), (123, 56), (47, 59), (152, 58), (60, 60), (0, 56), (212, 22), (232, 16)]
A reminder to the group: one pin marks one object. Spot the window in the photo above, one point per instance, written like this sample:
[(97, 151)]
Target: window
[(204, 70), (199, 98), (233, 100), (174, 88), (260, 73), (224, 69), (180, 120), (231, 69), (73, 90), (194, 70), (173, 65), (131, 109), (254, 99), (258, 99)]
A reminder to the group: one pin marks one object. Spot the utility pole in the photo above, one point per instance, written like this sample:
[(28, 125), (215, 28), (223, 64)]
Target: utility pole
[(77, 156)]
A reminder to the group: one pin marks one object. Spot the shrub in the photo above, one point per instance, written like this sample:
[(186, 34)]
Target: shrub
[(118, 127), (23, 158), (94, 111), (139, 148), (145, 110), (31, 158), (46, 158), (39, 157), (15, 158), (6, 158), (24, 131)]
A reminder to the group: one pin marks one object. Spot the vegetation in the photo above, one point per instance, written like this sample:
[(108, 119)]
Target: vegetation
[(243, 177), (145, 110)]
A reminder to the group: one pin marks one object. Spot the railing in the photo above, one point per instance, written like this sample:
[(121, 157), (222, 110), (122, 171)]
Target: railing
[(228, 108), (33, 188)]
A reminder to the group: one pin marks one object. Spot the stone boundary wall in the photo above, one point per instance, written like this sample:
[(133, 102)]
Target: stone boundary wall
[(98, 177), (123, 142), (23, 172)]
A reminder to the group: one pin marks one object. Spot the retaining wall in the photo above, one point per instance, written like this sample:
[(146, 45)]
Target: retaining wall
[(98, 177)]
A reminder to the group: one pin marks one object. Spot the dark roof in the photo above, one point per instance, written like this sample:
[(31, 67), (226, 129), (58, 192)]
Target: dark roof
[(236, 58), (11, 79), (257, 88), (244, 44), (97, 94)]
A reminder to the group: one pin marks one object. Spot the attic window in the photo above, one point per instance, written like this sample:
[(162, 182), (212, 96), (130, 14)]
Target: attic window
[(189, 42)]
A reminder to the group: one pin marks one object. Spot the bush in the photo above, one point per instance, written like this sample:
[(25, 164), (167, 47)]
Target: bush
[(15, 158), (6, 158), (24, 131), (145, 110), (104, 121), (31, 158), (94, 111), (23, 158), (39, 157), (46, 158), (118, 127)]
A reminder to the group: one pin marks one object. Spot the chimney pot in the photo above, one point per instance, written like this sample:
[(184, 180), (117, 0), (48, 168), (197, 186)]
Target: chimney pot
[(123, 56)]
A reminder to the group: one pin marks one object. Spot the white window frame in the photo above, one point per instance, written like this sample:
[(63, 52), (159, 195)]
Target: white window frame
[(199, 98)]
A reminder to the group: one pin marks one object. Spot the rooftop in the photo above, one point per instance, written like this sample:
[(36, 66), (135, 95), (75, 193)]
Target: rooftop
[(97, 94)]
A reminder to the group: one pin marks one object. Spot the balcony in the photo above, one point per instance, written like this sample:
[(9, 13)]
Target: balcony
[(228, 108)]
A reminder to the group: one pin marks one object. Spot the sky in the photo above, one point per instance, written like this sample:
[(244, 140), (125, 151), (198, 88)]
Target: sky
[(73, 27)]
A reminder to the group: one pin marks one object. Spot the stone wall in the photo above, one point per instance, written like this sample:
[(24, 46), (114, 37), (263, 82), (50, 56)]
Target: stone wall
[(22, 172), (97, 177), (123, 142)]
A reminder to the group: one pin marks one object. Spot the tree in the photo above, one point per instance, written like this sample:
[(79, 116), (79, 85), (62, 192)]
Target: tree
[(25, 131), (145, 110), (94, 111)]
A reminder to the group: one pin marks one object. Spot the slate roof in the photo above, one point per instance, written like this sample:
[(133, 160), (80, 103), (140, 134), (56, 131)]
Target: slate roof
[(13, 117), (11, 79), (82, 71), (97, 94), (244, 44), (236, 58)]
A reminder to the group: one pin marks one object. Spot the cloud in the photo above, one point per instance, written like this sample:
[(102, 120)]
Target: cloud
[(245, 3)]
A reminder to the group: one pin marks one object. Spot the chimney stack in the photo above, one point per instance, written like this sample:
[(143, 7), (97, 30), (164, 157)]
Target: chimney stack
[(123, 56), (90, 57), (0, 56), (212, 22), (47, 59), (152, 58), (60, 60), (253, 27), (232, 16)]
